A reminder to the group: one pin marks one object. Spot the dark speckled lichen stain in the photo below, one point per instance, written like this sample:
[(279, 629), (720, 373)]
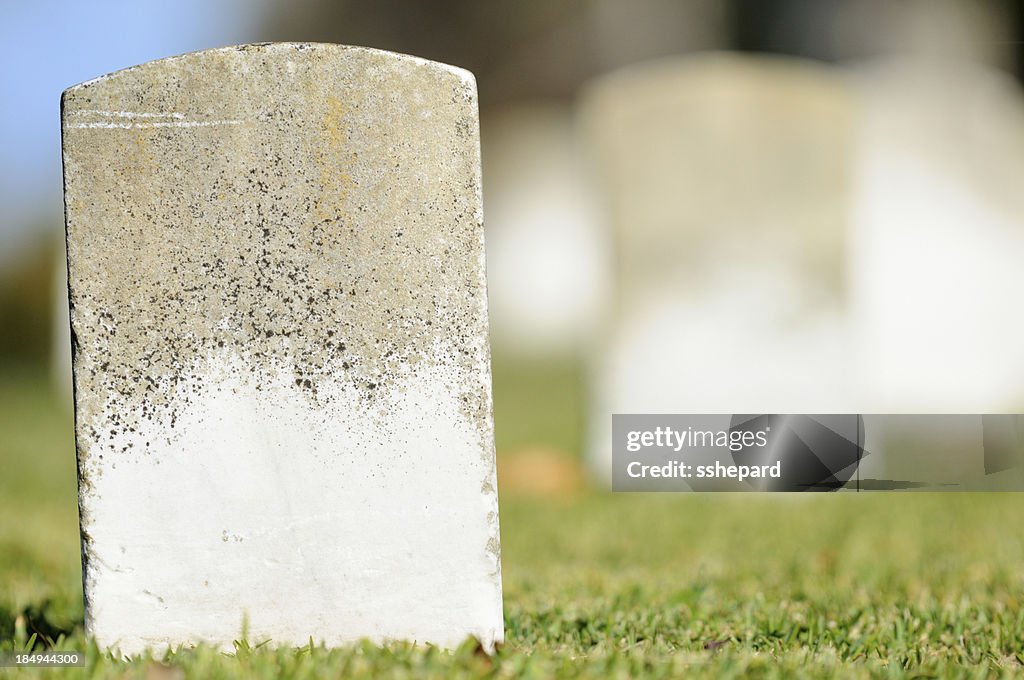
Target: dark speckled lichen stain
[(307, 208)]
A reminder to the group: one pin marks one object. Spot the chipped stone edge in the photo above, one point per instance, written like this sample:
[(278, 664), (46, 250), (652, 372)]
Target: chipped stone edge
[(82, 481)]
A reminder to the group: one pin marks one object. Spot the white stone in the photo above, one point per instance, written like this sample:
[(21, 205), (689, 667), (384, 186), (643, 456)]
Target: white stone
[(281, 362)]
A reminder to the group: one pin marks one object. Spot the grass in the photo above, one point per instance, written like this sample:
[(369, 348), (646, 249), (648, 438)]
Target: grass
[(599, 585)]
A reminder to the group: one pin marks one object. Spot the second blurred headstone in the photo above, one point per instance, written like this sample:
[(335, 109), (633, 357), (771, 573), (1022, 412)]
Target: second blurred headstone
[(727, 185)]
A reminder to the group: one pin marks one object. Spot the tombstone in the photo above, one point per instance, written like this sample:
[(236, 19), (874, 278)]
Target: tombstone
[(937, 241), (281, 362), (726, 181)]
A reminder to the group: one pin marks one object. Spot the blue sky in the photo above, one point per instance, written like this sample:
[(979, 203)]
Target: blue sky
[(48, 45)]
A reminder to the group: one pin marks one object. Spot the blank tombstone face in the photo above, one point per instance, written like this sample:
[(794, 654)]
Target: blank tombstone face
[(727, 183), (281, 359)]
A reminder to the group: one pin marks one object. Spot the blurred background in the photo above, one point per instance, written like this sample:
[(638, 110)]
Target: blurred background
[(691, 206)]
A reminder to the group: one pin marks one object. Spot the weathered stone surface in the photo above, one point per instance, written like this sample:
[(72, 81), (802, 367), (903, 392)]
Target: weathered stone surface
[(280, 349), (727, 186)]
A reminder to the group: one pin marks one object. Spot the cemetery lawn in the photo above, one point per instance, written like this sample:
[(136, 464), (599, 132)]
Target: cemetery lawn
[(596, 584)]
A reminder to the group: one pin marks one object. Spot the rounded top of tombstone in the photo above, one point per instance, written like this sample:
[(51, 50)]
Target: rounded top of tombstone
[(282, 50), (712, 75)]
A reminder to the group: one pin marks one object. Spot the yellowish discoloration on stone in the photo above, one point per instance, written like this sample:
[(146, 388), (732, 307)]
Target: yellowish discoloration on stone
[(335, 177), (231, 253)]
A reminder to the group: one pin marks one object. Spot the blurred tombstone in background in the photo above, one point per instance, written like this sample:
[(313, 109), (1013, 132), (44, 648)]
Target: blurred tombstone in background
[(936, 249), (726, 179)]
